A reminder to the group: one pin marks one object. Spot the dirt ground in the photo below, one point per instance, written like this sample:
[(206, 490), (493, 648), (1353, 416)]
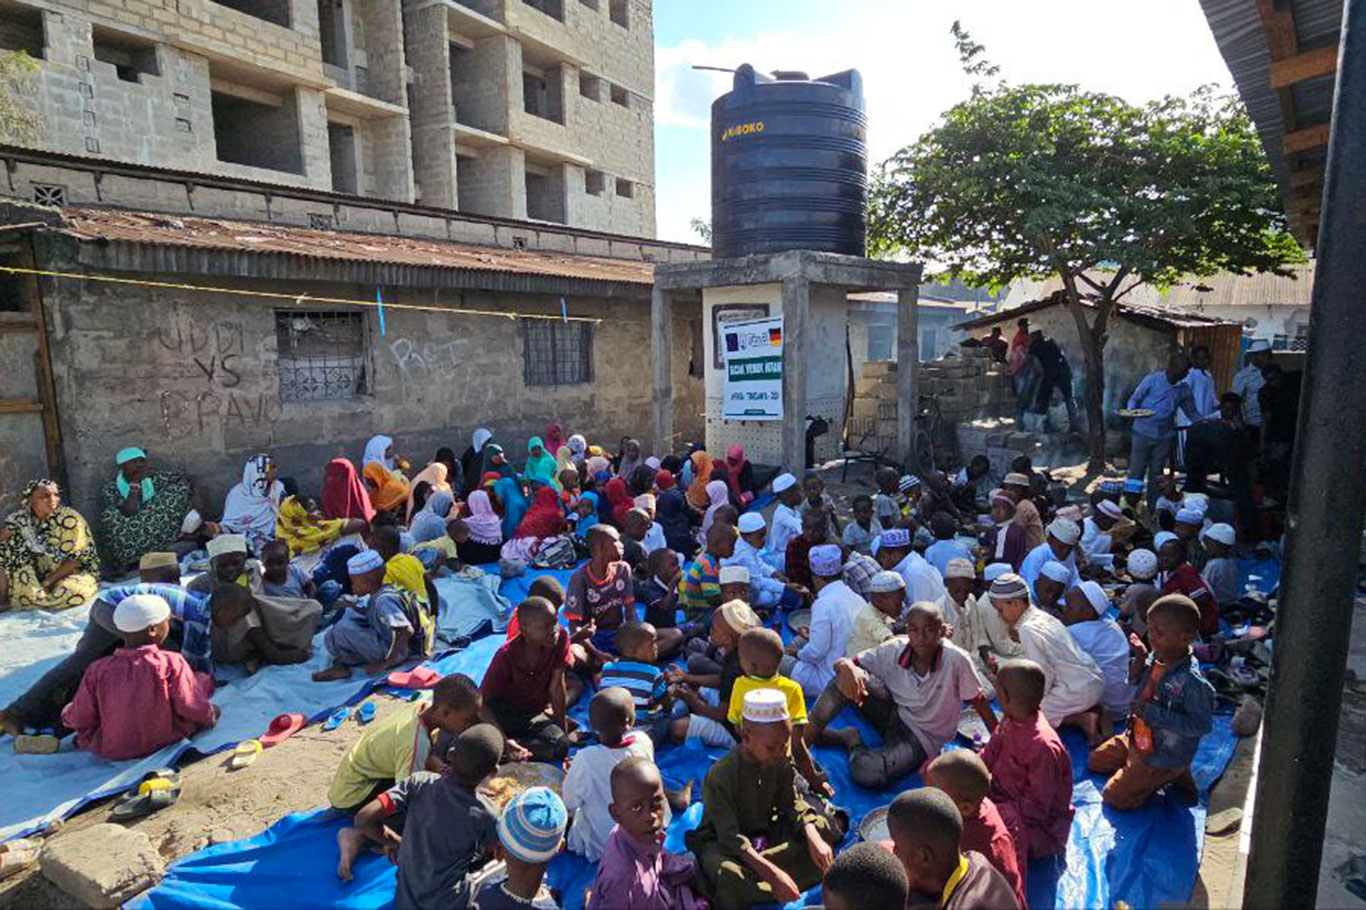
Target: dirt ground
[(221, 805)]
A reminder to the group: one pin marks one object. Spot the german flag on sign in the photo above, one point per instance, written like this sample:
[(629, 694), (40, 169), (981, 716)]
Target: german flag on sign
[(775, 336)]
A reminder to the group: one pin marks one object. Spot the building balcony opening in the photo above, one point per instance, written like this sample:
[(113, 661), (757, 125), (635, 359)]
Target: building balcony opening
[(594, 182), (590, 86), (552, 8), (341, 148), (626, 189), (621, 96), (21, 29), (619, 11), (545, 193), (260, 133), (276, 11), (332, 32), (542, 94), (132, 57)]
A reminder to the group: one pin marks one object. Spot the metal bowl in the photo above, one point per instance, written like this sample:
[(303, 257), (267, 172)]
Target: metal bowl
[(874, 828)]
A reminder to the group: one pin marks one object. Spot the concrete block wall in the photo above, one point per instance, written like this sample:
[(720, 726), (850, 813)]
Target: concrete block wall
[(430, 112)]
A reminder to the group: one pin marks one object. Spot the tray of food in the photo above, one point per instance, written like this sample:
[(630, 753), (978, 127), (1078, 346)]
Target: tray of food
[(799, 621), (514, 777), (873, 828), (1135, 412)]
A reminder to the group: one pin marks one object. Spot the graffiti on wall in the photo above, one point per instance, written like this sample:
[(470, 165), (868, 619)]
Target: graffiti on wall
[(215, 396)]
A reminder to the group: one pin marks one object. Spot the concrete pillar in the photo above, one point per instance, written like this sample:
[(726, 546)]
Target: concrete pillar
[(796, 306), (661, 362), (907, 367)]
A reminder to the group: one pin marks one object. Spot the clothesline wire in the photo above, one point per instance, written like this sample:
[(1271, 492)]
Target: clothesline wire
[(298, 299)]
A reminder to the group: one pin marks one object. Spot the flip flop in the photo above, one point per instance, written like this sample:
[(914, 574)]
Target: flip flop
[(282, 728), (245, 753), (158, 789), (365, 713), (422, 677), (338, 718)]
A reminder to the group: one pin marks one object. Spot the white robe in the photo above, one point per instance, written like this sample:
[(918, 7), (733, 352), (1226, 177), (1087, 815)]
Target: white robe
[(1033, 565), (1093, 539), (1073, 682), (1108, 646), (787, 524), (923, 581), (832, 618)]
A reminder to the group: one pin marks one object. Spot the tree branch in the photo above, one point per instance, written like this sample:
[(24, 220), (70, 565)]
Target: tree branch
[(1128, 289), (1081, 273), (1120, 274)]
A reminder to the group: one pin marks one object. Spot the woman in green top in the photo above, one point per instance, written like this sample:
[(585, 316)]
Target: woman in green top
[(142, 511)]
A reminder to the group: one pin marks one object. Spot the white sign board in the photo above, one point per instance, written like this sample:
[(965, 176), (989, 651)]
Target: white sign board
[(753, 355)]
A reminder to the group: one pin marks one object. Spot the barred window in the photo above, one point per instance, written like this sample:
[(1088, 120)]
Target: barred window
[(322, 355), (556, 352)]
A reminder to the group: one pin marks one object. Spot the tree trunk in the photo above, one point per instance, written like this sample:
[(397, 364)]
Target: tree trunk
[(1093, 337)]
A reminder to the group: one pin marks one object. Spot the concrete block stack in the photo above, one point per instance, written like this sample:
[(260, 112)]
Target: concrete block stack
[(968, 386), (875, 396), (999, 440)]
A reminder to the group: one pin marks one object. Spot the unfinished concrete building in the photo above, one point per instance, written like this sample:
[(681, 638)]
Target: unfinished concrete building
[(526, 109)]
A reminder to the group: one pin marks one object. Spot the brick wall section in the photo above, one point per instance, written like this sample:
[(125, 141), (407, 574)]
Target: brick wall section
[(431, 112)]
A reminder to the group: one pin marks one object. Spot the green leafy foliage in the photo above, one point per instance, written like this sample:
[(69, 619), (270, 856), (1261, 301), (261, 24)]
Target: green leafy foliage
[(19, 120)]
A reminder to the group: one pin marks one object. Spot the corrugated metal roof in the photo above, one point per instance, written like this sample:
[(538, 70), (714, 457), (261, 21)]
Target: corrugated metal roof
[(238, 236), (1153, 317), (1226, 289)]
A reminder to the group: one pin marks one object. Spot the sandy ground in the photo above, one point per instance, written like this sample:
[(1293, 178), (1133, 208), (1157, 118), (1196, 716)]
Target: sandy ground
[(219, 805)]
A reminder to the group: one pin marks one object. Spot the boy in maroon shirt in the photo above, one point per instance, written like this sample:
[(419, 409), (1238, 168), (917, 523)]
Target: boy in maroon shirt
[(1031, 772), (1180, 577), (524, 686), (963, 776)]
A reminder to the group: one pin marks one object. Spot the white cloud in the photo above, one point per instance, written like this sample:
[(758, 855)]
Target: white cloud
[(910, 69)]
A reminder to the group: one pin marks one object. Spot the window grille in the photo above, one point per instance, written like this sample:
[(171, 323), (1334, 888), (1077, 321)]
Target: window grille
[(322, 355), (49, 194), (556, 353)]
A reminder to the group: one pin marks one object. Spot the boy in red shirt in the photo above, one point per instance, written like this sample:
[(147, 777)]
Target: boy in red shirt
[(1031, 772), (1180, 577), (965, 778), (140, 698), (524, 686)]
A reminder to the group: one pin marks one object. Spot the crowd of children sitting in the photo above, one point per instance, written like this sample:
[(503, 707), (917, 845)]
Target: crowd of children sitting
[(933, 598)]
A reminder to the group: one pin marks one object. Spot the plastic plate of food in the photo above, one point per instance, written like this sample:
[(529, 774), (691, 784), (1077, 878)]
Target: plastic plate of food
[(1135, 412), (799, 621), (515, 777), (874, 828), (972, 728)]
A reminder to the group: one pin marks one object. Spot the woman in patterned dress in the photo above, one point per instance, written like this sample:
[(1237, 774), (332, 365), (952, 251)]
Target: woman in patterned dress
[(47, 553)]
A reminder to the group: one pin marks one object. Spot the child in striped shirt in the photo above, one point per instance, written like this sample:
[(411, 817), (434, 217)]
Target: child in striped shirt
[(636, 672)]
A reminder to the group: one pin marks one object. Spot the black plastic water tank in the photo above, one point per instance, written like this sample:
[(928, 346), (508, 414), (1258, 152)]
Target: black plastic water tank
[(789, 165)]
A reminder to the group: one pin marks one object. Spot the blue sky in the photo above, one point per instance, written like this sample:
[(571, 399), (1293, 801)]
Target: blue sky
[(1137, 49)]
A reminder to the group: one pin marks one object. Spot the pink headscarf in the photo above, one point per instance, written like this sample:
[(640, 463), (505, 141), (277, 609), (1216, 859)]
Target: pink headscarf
[(717, 496), (484, 524), (554, 436)]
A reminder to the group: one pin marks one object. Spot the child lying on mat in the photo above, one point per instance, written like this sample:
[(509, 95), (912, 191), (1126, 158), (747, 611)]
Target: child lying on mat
[(759, 841), (1170, 715), (635, 870), (446, 825), (396, 747), (140, 698), (587, 787)]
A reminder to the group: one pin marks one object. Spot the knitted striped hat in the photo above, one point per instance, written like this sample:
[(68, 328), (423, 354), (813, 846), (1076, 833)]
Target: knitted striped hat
[(1009, 587), (532, 825)]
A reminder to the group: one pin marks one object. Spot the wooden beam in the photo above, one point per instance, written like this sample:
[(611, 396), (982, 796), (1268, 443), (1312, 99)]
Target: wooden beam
[(20, 406), (1278, 23), (1308, 65), (1310, 137), (1308, 176)]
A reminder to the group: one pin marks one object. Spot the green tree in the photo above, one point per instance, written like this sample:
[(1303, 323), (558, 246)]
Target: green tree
[(1039, 180), (18, 121), (702, 228)]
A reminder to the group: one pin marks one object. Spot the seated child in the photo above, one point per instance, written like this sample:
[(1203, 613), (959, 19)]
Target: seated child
[(924, 681), (946, 545), (1171, 714), (816, 501), (963, 775), (815, 652), (1221, 571), (524, 685), (1142, 565), (443, 552), (140, 698), (860, 533), (734, 583), (600, 599), (282, 578), (635, 870), (867, 876), (1031, 772), (657, 588), (927, 832), (1073, 684), (886, 505), (1180, 577), (587, 787), (446, 825), (700, 588), (633, 530), (546, 586), (636, 670), (761, 654), (394, 748), (530, 832), (228, 565), (654, 535), (586, 512), (1053, 581), (707, 696), (873, 622), (759, 841), (1085, 616), (378, 632), (240, 634), (768, 587)]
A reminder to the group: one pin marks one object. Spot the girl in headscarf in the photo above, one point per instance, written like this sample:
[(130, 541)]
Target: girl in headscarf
[(544, 519), (630, 458), (554, 436), (472, 461), (578, 448), (47, 553), (701, 476), (495, 461), (436, 475), (564, 461), (719, 472), (142, 511), (430, 523), (540, 465), (253, 506), (674, 515), (740, 475), (509, 494), (344, 496), (484, 524), (587, 514), (597, 464), (618, 500), (718, 495), (305, 532), (604, 501), (455, 474), (388, 487), (641, 480), (380, 449)]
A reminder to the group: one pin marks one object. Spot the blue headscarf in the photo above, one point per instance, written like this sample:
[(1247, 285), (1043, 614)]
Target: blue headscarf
[(509, 493), (430, 523)]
